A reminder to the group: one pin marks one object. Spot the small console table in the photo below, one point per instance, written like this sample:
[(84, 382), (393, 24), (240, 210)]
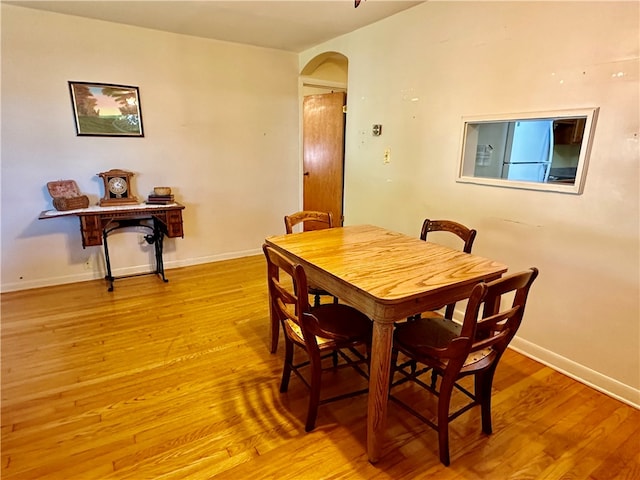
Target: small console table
[(96, 223)]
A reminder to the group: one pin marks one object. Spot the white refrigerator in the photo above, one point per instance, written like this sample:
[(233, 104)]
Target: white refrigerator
[(529, 151)]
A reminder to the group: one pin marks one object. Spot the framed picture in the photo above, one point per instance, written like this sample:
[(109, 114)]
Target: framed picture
[(102, 109)]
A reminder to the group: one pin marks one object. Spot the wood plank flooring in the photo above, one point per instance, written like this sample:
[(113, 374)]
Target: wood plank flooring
[(175, 381)]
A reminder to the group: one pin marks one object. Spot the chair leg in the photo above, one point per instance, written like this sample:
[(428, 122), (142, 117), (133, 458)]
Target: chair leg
[(434, 378), (394, 364), (288, 361), (275, 332), (316, 300), (444, 399), (483, 385), (314, 393), (449, 311)]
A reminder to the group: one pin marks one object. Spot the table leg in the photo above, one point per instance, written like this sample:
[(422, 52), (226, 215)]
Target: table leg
[(156, 237), (107, 261), (158, 241), (378, 388)]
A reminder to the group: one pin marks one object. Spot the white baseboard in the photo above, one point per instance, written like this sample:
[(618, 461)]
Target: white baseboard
[(591, 378), (580, 373), (134, 270)]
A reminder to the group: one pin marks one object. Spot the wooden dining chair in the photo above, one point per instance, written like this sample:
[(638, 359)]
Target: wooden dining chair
[(334, 331), (467, 235), (455, 351), (311, 220)]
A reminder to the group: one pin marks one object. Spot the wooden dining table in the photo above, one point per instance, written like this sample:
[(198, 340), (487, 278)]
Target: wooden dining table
[(388, 276)]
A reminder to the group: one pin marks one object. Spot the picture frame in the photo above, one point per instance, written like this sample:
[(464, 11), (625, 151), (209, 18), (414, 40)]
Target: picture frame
[(106, 109)]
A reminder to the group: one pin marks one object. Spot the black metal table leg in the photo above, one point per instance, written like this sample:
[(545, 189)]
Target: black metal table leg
[(159, 259), (156, 237), (158, 242), (108, 277)]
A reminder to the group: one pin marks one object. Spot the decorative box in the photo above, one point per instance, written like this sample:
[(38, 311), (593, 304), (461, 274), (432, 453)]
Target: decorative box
[(66, 195)]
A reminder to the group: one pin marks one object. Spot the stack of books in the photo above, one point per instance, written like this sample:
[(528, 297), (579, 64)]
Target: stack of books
[(154, 199)]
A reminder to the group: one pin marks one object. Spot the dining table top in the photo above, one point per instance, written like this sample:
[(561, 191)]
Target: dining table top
[(386, 266)]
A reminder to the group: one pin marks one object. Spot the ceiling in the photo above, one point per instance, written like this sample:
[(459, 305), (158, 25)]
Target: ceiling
[(285, 25)]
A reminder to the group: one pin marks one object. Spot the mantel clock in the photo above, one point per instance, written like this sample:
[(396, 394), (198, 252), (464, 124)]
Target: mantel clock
[(117, 188)]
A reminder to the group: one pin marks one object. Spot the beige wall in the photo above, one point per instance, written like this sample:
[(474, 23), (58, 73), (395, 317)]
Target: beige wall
[(221, 128), (420, 71)]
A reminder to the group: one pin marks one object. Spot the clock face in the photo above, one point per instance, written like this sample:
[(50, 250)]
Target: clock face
[(117, 185)]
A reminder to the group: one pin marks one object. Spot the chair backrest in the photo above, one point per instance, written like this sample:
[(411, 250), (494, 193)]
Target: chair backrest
[(311, 220), (497, 325), (467, 235), (288, 305)]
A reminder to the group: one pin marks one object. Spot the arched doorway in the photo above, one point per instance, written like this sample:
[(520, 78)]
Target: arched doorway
[(324, 87)]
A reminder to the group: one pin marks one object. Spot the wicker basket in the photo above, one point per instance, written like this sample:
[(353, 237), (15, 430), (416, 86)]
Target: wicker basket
[(71, 203), (66, 195)]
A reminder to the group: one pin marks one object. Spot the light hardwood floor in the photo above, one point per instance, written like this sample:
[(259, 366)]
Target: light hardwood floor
[(175, 381)]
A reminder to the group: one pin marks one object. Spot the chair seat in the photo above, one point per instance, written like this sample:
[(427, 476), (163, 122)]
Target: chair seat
[(341, 320), (434, 331)]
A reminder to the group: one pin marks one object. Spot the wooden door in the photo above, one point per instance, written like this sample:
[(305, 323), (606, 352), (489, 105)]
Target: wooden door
[(323, 153)]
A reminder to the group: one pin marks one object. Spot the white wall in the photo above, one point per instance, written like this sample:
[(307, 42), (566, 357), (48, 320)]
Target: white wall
[(221, 128), (420, 71)]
